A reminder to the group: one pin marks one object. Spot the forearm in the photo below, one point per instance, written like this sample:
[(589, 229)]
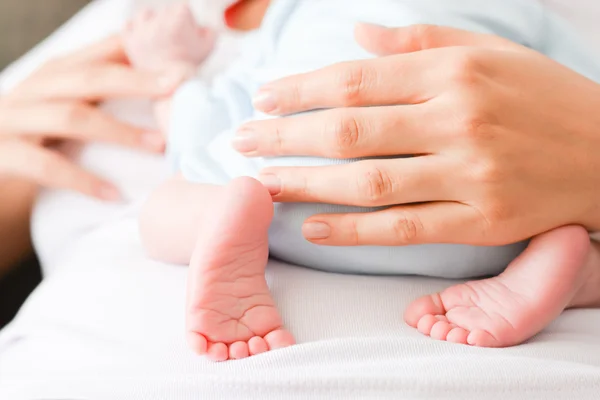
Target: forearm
[(16, 201)]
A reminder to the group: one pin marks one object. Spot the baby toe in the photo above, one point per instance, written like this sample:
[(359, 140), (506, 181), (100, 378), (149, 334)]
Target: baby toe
[(238, 350), (425, 324), (425, 305), (458, 335), (481, 338), (440, 330), (217, 352), (279, 339), (197, 342), (257, 345)]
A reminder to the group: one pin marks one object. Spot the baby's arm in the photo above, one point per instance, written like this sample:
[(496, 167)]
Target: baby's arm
[(167, 39)]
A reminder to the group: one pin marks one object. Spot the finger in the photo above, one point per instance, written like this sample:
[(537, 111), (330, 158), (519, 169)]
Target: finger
[(79, 121), (441, 222), (386, 41), (49, 169), (102, 81), (369, 183), (400, 79), (343, 133), (110, 49)]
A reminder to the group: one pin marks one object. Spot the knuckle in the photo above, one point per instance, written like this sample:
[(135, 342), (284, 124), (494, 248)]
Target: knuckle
[(278, 141), (495, 213), (346, 134), (495, 217), (487, 172), (375, 186), (354, 233), (295, 97), (352, 82), (74, 114), (466, 69), (406, 227), (498, 214), (421, 36), (475, 120), (475, 124)]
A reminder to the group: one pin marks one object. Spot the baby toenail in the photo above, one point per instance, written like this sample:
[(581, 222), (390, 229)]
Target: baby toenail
[(272, 183), (316, 230), (245, 141)]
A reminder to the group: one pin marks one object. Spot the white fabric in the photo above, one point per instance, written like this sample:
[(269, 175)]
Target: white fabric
[(107, 322)]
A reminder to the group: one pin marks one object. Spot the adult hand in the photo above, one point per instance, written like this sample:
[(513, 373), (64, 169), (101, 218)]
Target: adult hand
[(507, 141), (59, 102)]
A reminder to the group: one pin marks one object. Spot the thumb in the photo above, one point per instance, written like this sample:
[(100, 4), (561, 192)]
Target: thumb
[(383, 41)]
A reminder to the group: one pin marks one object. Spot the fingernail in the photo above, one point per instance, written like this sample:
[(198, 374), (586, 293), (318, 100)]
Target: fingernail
[(272, 183), (264, 101), (245, 141), (109, 193), (316, 230), (153, 141)]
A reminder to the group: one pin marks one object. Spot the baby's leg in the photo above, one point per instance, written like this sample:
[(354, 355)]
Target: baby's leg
[(222, 232), (167, 38), (172, 216), (559, 270)]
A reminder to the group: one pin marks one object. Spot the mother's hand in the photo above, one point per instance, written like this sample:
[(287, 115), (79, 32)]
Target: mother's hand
[(59, 102), (507, 141)]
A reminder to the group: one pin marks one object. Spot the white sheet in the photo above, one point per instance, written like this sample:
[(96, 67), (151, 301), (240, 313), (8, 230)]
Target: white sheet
[(107, 322)]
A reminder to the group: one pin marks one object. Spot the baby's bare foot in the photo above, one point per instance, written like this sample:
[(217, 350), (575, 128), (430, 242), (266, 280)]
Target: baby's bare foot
[(559, 270), (158, 39), (230, 311)]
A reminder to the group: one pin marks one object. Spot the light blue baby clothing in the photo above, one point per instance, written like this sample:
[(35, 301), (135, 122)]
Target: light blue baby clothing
[(303, 35)]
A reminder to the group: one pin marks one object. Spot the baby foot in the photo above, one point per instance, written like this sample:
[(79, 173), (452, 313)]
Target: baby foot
[(230, 311), (157, 39), (558, 270)]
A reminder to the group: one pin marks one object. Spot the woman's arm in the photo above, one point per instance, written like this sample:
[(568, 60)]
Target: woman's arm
[(16, 201), (62, 96)]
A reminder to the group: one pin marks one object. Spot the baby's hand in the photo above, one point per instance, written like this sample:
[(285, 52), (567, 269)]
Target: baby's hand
[(156, 39)]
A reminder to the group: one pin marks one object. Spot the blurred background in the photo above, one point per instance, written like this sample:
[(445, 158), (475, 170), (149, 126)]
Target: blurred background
[(23, 24)]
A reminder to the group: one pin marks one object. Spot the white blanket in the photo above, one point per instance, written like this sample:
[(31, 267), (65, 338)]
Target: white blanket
[(107, 323)]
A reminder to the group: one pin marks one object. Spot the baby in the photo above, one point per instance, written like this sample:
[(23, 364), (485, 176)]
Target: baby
[(226, 232)]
